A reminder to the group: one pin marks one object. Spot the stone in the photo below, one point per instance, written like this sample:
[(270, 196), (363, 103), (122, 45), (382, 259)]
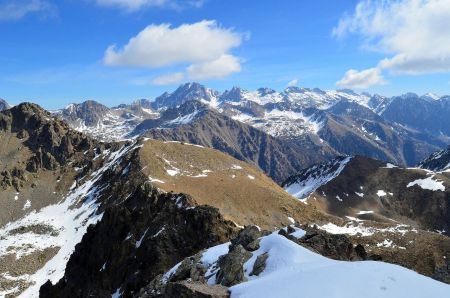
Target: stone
[(260, 264), (185, 289), (231, 266), (247, 238)]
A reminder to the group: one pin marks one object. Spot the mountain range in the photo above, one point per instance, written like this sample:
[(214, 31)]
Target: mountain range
[(332, 122), (207, 194)]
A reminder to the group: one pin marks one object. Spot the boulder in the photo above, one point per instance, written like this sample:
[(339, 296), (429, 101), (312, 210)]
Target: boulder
[(186, 289), (260, 264), (231, 266)]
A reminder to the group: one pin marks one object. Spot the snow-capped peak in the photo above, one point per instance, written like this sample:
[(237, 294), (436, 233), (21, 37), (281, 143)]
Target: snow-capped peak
[(432, 96)]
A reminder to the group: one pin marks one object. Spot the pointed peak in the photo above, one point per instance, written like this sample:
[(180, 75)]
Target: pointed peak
[(4, 105)]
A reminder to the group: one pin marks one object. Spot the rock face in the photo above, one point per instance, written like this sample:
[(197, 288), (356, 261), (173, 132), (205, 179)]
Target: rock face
[(52, 142)]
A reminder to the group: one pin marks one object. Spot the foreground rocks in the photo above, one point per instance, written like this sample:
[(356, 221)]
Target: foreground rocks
[(138, 240)]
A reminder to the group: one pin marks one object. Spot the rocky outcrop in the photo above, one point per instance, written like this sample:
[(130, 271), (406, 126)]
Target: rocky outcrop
[(338, 247), (187, 289), (231, 266), (51, 141), (137, 240)]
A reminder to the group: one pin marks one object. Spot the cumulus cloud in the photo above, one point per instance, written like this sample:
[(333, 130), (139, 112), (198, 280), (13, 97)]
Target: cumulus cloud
[(204, 46), (361, 79), (219, 68), (134, 5), (168, 79), (292, 83), (12, 10), (412, 33)]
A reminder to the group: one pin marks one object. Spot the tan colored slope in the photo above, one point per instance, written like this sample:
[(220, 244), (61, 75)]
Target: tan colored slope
[(241, 192)]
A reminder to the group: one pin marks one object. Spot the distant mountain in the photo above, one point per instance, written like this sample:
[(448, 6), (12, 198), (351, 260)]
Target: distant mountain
[(427, 114), (346, 126), (196, 123), (106, 123), (186, 92), (4, 105), (402, 130)]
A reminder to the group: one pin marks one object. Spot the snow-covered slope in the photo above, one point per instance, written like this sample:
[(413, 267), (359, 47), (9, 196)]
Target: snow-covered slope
[(309, 180), (438, 161), (291, 270), (59, 227)]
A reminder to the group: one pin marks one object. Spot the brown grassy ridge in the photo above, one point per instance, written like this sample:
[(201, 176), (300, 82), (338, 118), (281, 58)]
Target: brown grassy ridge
[(240, 191)]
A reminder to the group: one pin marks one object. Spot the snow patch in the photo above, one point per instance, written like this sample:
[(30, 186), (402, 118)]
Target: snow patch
[(428, 183), (381, 193)]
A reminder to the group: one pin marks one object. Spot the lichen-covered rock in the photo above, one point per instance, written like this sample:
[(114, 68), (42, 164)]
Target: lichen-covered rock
[(338, 247), (185, 289), (248, 238), (231, 266), (260, 264)]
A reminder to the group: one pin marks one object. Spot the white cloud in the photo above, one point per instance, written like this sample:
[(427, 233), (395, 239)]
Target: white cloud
[(12, 10), (361, 79), (292, 83), (413, 33), (203, 46), (134, 5), (168, 79), (219, 68)]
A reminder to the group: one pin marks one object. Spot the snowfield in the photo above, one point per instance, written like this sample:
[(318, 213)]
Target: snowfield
[(294, 271)]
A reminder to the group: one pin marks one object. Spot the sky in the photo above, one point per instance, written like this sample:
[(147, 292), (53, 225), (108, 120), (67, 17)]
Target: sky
[(54, 52)]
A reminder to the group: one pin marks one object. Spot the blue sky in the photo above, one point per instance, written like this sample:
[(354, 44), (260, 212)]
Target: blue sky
[(54, 52)]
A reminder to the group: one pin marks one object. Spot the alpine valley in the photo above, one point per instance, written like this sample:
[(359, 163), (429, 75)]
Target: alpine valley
[(199, 193)]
